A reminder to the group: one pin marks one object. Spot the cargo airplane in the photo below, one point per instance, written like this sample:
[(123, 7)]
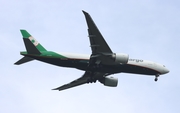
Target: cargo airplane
[(98, 66)]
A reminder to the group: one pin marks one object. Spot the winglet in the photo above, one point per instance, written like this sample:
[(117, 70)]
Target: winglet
[(84, 11), (55, 89), (86, 14)]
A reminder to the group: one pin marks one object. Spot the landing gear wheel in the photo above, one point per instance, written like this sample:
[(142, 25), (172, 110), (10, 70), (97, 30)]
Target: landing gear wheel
[(156, 79)]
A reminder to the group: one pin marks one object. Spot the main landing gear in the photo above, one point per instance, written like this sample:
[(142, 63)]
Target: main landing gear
[(156, 78)]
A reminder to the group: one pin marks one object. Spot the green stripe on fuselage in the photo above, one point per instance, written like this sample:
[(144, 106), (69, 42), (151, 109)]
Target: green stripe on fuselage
[(26, 35), (49, 54)]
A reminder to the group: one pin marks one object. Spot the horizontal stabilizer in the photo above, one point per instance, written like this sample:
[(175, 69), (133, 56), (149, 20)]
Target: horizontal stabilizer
[(23, 60)]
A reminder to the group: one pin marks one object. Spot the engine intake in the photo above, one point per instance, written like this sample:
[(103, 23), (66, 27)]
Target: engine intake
[(109, 81), (120, 58)]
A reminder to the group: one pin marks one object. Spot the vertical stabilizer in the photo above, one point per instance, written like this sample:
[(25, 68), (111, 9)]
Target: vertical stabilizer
[(31, 44)]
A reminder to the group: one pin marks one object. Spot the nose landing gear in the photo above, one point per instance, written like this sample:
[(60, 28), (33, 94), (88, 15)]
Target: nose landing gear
[(156, 78)]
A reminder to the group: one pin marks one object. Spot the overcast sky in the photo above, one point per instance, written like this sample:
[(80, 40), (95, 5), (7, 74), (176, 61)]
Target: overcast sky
[(144, 29)]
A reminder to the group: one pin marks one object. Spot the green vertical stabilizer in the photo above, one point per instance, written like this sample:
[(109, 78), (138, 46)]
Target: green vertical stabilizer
[(32, 45)]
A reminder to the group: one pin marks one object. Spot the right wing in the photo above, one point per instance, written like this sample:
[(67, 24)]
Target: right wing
[(98, 44), (82, 80), (101, 52)]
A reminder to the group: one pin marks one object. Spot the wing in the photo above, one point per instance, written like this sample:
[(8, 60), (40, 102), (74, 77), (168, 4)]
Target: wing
[(101, 52), (82, 80), (77, 82), (98, 44)]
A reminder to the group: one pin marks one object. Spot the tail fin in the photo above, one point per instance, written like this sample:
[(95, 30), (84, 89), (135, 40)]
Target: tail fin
[(32, 47), (31, 44)]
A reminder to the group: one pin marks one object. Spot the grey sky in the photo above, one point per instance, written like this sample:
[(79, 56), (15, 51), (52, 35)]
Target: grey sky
[(145, 29)]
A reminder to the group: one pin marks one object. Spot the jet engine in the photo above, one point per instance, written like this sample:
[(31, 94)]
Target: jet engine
[(109, 81), (120, 58)]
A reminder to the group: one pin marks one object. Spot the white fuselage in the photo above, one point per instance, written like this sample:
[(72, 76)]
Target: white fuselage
[(136, 62)]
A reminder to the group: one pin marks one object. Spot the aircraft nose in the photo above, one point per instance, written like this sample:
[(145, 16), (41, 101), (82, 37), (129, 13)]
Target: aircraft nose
[(166, 71)]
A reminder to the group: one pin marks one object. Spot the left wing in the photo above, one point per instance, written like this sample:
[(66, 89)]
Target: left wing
[(86, 78), (79, 81)]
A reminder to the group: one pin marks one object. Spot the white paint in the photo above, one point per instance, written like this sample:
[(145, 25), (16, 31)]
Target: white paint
[(142, 63), (33, 39)]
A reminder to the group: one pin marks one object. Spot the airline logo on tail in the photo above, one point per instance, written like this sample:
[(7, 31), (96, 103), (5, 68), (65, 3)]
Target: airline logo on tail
[(34, 41)]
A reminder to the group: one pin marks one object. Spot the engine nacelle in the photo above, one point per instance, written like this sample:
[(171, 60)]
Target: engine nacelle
[(120, 58), (109, 81)]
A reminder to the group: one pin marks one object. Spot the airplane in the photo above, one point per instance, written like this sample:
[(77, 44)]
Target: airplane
[(98, 66)]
